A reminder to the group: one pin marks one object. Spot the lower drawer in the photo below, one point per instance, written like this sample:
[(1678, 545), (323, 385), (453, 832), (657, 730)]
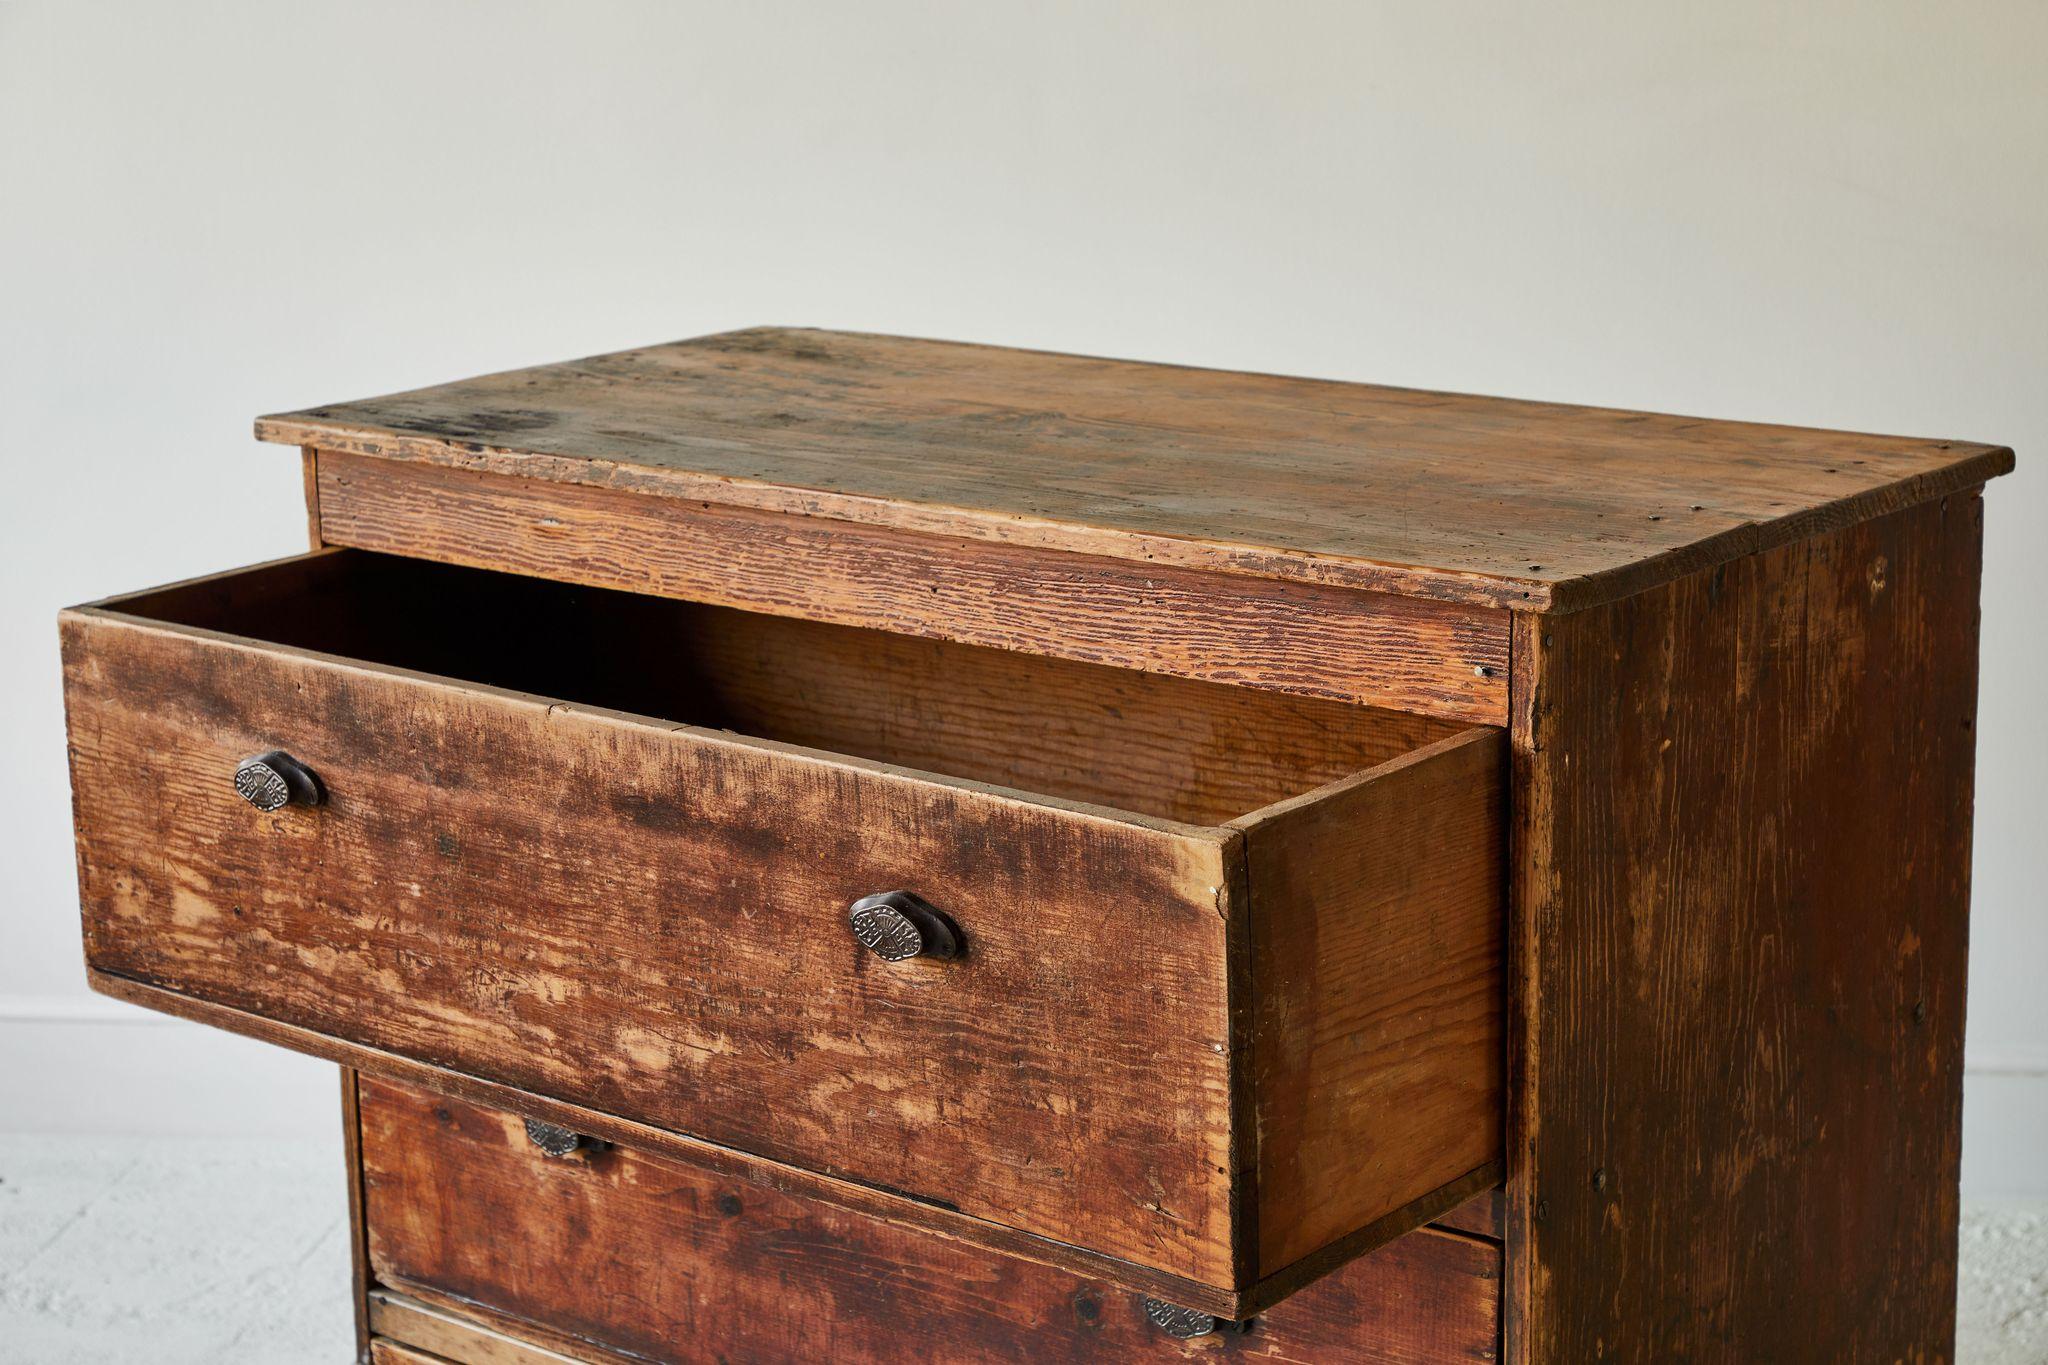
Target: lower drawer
[(476, 1233)]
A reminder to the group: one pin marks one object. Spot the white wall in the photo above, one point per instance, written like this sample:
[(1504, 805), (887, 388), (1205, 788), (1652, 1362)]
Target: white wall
[(1823, 214)]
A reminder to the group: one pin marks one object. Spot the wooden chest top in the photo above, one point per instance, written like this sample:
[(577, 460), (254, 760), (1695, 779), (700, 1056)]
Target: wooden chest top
[(1537, 506)]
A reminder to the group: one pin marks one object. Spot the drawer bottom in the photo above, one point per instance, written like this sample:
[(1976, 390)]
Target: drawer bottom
[(482, 1246)]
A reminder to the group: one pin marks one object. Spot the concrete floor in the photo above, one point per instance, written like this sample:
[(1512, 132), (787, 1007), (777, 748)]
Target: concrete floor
[(175, 1250)]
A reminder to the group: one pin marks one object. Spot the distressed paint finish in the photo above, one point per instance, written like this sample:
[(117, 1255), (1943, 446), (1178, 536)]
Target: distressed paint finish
[(698, 1265), (1742, 871), (1487, 500), (1434, 657)]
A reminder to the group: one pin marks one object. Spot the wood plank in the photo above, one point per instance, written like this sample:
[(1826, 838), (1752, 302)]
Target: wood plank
[(1489, 500), (359, 1252), (309, 467), (650, 919), (1165, 746), (466, 1339), (1484, 1215), (1741, 891), (660, 1261), (386, 1352), (1378, 962), (1200, 753), (1383, 650)]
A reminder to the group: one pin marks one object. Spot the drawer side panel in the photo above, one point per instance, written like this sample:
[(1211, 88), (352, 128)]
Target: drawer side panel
[(1377, 924)]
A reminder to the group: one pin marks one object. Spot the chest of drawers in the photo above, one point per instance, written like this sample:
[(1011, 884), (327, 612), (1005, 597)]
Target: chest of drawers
[(811, 845)]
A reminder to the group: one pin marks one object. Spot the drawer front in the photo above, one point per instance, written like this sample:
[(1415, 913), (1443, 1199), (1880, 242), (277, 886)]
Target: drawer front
[(611, 1254), (651, 920)]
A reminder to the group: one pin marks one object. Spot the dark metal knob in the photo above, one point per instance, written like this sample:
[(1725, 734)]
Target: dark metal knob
[(1184, 1323), (556, 1140), (898, 925), (275, 780)]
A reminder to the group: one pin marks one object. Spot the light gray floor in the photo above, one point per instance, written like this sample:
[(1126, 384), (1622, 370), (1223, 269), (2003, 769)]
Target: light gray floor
[(177, 1250)]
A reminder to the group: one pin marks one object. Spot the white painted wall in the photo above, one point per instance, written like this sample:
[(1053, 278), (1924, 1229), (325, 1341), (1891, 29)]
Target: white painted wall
[(1824, 214)]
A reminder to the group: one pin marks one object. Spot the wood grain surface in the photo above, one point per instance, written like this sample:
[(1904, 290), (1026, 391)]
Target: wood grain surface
[(1741, 894), (1470, 499), (1378, 969), (893, 1206), (1433, 657), (650, 919), (653, 1259), (646, 917)]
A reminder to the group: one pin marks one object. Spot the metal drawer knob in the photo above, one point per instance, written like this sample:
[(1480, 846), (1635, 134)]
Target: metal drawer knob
[(1184, 1323), (898, 925), (275, 780), (556, 1140)]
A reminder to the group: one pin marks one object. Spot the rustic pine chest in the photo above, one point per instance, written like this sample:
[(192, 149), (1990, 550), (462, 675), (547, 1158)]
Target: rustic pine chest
[(812, 846)]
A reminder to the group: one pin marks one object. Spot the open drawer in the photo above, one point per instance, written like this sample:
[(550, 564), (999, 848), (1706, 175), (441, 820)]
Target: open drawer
[(1201, 978)]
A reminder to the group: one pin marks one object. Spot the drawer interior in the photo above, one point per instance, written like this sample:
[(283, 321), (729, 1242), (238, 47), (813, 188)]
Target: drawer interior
[(1169, 747)]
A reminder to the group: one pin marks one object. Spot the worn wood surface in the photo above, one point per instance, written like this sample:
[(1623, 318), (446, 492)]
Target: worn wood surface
[(1446, 495), (1204, 753), (678, 954), (1431, 657), (1741, 890), (1158, 745), (387, 1352), (657, 1259), (1378, 961), (650, 919), (469, 1335), (891, 1206)]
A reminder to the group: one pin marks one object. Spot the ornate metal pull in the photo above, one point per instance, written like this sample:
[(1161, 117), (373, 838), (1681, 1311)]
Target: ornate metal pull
[(275, 780), (899, 925), (1184, 1323), (556, 1140)]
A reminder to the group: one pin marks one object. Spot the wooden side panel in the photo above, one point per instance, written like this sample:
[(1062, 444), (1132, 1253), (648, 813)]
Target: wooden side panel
[(653, 1258), (1378, 957), (650, 920), (1742, 887), (1380, 649)]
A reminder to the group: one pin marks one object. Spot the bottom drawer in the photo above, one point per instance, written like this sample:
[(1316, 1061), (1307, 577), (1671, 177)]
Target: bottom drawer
[(475, 1233)]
